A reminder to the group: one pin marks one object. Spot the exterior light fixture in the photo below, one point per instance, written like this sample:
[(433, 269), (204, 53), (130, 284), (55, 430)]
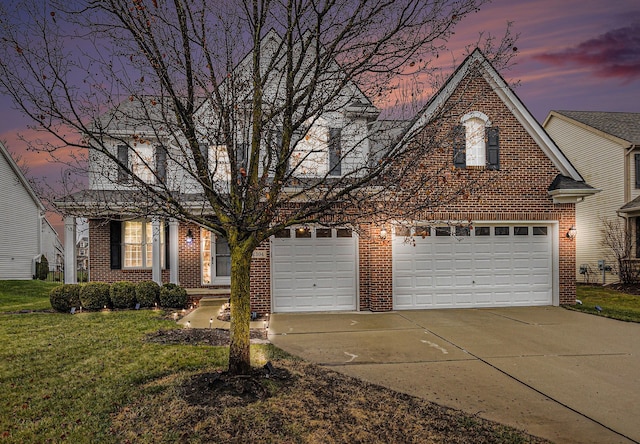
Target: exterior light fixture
[(571, 234), (383, 232), (189, 237)]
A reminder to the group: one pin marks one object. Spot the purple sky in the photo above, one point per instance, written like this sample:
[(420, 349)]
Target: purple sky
[(572, 55)]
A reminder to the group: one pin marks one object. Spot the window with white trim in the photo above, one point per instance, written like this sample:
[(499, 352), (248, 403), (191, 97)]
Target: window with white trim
[(216, 258), (138, 243), (476, 142)]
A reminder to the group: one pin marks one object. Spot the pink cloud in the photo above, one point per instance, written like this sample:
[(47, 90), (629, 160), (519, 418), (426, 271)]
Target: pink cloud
[(615, 54)]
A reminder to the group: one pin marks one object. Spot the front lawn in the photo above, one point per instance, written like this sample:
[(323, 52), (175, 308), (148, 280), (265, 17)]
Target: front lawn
[(25, 295), (612, 303), (103, 377)]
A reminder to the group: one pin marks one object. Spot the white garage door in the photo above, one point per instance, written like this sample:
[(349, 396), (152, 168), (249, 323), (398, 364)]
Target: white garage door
[(314, 269), (486, 266)]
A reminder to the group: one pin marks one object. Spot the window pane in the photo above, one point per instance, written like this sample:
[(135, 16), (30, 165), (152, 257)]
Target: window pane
[(521, 231), (303, 232), (539, 231), (501, 231), (443, 231), (223, 257), (323, 232), (463, 231), (422, 231), (344, 232), (403, 231), (133, 255), (284, 233), (483, 231), (133, 232)]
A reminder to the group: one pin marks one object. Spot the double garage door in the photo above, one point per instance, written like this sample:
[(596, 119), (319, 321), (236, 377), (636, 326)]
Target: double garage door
[(316, 269), (483, 266)]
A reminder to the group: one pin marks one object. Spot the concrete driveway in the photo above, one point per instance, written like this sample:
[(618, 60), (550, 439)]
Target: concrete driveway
[(558, 374)]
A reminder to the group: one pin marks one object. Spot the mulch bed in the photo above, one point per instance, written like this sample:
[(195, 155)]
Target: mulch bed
[(200, 336)]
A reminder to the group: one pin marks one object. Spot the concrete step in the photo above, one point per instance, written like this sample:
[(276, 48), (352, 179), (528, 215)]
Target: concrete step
[(211, 301)]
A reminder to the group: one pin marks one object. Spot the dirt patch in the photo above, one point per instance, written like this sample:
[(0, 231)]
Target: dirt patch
[(626, 288), (297, 403), (200, 336)]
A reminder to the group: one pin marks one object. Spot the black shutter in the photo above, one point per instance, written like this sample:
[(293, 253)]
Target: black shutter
[(335, 152), (493, 148), (115, 244), (242, 155), (161, 163), (637, 159), (204, 150), (123, 158), (167, 244), (459, 145)]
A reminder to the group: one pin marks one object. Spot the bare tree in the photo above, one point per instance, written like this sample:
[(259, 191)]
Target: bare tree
[(239, 98), (617, 238)]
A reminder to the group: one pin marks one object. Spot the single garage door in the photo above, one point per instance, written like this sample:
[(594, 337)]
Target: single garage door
[(483, 266), (314, 269)]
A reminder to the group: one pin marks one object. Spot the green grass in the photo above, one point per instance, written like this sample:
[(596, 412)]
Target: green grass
[(62, 376), (614, 304), (25, 295)]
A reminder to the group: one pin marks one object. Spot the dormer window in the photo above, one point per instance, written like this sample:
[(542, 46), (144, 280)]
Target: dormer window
[(476, 142)]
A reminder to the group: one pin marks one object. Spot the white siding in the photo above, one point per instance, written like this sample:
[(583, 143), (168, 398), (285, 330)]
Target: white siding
[(19, 219), (600, 161)]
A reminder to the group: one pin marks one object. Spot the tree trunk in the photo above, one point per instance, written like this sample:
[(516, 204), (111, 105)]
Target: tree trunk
[(239, 349)]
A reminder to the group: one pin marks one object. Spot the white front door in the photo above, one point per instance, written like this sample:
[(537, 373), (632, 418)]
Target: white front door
[(486, 266), (314, 269)]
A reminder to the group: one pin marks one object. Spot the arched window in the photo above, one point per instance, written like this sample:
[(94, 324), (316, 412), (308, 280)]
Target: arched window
[(476, 142)]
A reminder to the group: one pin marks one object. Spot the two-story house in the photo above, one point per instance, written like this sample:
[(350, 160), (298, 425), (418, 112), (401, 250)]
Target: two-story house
[(506, 243), (26, 234), (605, 147)]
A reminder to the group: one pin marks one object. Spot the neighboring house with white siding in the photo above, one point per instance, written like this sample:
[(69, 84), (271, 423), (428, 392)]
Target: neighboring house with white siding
[(605, 148), (26, 234)]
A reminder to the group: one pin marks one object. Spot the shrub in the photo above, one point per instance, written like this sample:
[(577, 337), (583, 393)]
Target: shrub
[(95, 295), (173, 296), (123, 294), (42, 268), (147, 293), (64, 297)]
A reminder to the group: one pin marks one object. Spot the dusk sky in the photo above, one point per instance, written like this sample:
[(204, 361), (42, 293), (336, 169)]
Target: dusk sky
[(572, 55)]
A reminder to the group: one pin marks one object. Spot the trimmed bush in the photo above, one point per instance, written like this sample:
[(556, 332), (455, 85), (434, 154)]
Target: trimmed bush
[(173, 296), (95, 296), (147, 293), (42, 268), (123, 294), (64, 297)]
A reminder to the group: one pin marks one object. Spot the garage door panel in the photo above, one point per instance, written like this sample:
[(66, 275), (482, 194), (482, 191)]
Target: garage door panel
[(444, 271), (314, 274)]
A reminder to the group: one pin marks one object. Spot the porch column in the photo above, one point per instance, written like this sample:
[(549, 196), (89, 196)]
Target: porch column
[(70, 263), (174, 260), (156, 252)]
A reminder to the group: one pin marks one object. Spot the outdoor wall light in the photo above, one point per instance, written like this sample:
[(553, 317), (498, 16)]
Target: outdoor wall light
[(189, 237), (383, 232), (571, 234)]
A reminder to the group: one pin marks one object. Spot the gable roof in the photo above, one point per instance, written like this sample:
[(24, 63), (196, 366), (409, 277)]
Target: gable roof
[(513, 103), (21, 178), (625, 126)]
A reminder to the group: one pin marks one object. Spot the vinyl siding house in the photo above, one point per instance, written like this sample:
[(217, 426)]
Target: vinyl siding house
[(605, 147), (26, 234), (503, 245)]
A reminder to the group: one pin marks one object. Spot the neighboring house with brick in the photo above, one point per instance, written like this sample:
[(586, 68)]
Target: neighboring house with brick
[(26, 234), (605, 148), (505, 244)]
